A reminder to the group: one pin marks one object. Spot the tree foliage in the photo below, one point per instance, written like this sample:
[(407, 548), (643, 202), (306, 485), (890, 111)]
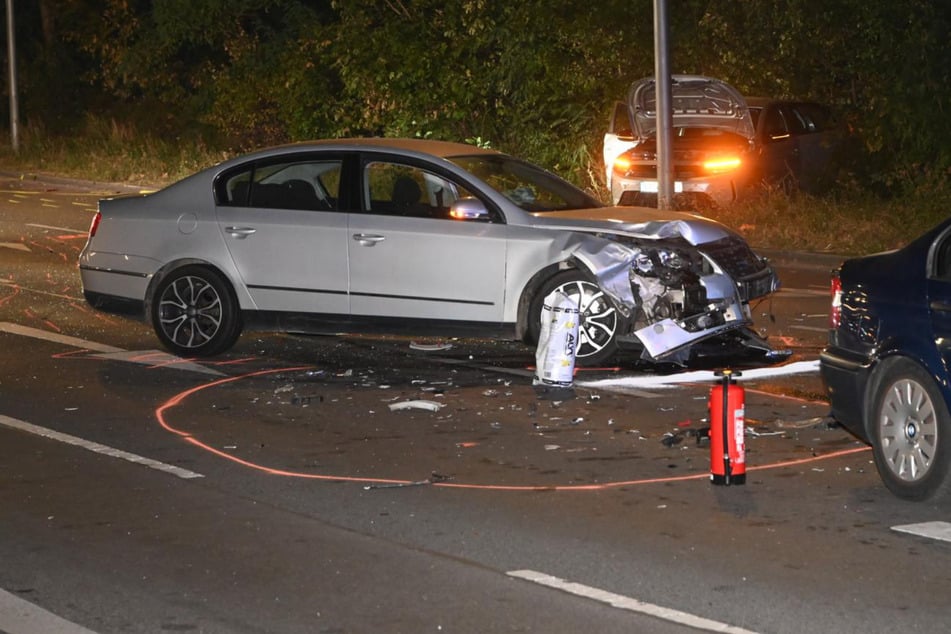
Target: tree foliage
[(535, 77)]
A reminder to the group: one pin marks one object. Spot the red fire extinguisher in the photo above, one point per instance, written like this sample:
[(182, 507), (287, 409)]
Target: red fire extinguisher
[(727, 441)]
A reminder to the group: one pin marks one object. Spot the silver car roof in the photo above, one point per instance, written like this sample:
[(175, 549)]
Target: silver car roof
[(440, 149)]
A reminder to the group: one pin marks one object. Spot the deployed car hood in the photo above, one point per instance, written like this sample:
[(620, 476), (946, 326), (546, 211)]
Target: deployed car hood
[(696, 102), (643, 222)]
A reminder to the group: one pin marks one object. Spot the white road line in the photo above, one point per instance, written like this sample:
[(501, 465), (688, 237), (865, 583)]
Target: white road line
[(802, 292), (627, 603), (932, 530), (36, 292), (658, 381), (36, 333), (157, 359), (16, 246), (22, 617), (151, 358), (630, 391), (810, 328), (66, 229), (15, 423)]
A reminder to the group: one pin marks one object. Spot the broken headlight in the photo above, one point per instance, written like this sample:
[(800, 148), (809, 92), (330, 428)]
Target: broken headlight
[(666, 282)]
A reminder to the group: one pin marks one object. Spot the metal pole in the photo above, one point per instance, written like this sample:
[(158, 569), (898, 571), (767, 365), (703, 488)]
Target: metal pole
[(12, 73), (665, 119)]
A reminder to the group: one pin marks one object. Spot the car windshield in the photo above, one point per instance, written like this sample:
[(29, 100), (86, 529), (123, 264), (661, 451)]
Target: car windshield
[(528, 186)]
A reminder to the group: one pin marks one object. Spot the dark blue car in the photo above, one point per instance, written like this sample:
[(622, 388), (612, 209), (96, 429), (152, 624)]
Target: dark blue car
[(886, 365)]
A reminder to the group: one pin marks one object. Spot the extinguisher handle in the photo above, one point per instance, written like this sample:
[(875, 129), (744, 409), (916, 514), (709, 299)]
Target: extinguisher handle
[(728, 375)]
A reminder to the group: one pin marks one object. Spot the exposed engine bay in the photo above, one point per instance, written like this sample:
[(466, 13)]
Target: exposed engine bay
[(674, 294)]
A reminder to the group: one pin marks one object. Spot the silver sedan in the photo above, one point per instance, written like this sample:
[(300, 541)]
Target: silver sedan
[(412, 236)]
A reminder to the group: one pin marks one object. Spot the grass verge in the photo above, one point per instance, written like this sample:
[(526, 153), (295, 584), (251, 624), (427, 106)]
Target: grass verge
[(853, 223)]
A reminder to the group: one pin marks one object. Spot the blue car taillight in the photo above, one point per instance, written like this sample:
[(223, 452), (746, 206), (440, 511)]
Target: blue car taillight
[(835, 311)]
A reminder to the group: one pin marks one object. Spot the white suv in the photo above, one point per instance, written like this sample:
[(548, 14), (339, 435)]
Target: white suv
[(723, 144)]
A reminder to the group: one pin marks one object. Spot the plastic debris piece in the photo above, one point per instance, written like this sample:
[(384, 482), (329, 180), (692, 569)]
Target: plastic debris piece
[(554, 394), (762, 431), (431, 406), (429, 347), (816, 421), (671, 439), (676, 437), (434, 478)]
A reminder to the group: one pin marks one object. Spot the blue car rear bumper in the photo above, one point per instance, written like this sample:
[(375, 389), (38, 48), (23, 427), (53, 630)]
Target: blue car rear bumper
[(846, 381)]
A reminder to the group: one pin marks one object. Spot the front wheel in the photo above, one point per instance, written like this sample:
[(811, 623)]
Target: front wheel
[(597, 332), (194, 312), (910, 433)]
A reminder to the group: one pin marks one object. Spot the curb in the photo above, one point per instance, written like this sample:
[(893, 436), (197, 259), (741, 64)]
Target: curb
[(802, 259), (40, 180)]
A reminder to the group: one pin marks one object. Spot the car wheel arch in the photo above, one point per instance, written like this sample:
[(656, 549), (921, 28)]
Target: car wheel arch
[(529, 292), (176, 265), (601, 321), (194, 310), (900, 461), (878, 370)]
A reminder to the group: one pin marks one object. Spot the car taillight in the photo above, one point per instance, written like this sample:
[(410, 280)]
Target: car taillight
[(94, 225), (835, 312), (722, 164)]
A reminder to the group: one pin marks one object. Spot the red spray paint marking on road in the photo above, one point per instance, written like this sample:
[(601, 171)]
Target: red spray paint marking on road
[(175, 401)]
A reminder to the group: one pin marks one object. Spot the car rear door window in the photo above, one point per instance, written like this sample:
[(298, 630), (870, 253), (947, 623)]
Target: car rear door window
[(309, 185), (775, 125)]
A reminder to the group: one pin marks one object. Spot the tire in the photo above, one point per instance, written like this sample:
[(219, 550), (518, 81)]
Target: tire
[(910, 432), (194, 312), (599, 318)]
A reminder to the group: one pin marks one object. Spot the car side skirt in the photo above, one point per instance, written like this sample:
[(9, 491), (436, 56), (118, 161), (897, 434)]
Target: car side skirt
[(316, 323)]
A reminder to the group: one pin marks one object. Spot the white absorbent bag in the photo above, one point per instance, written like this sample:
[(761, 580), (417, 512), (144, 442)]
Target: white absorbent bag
[(557, 341)]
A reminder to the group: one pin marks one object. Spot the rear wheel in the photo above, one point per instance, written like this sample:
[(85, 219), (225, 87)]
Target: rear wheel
[(597, 332), (194, 312), (910, 433)]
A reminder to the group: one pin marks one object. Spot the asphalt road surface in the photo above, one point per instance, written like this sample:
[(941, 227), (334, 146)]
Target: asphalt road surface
[(281, 488)]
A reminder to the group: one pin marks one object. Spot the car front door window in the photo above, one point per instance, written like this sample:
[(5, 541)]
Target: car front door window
[(395, 189)]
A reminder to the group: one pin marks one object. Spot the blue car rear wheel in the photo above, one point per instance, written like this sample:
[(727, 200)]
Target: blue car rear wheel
[(910, 432)]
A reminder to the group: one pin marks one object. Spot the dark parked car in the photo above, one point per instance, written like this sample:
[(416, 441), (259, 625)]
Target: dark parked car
[(725, 145), (886, 365)]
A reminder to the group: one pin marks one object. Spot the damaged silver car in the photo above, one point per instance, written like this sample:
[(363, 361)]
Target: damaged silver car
[(410, 236)]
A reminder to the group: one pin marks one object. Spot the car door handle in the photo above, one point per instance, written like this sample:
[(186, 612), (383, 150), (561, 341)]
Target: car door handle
[(368, 239), (240, 232), (940, 306)]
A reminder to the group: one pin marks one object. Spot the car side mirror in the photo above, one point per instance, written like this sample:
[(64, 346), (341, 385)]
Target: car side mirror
[(469, 209)]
